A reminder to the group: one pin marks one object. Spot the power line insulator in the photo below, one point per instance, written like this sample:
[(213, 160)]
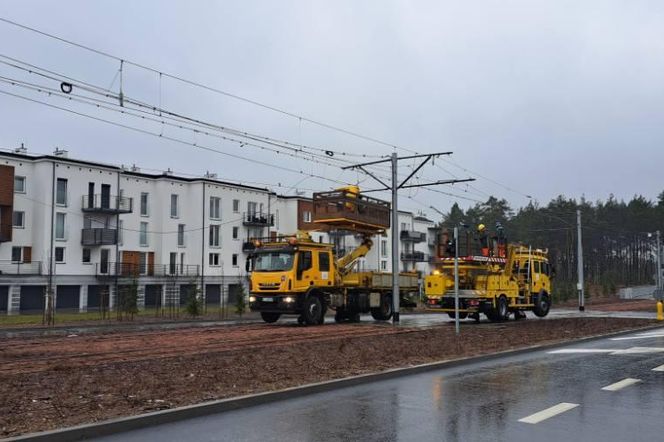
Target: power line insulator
[(66, 87)]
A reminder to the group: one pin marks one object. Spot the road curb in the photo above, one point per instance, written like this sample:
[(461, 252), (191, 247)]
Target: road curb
[(108, 427)]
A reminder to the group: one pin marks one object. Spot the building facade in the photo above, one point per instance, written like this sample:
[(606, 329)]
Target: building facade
[(89, 230)]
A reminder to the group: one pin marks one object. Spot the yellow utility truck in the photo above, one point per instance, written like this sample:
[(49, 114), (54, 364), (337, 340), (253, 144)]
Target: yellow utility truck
[(297, 276), (493, 286)]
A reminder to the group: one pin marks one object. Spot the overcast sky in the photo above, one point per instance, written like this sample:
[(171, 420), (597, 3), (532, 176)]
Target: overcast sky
[(548, 98)]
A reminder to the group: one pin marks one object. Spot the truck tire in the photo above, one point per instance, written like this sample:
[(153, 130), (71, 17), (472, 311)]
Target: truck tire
[(502, 307), (270, 317), (462, 315), (542, 304), (384, 312), (313, 313)]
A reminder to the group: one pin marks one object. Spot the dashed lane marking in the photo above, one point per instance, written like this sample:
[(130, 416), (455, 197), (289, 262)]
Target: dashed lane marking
[(660, 368), (548, 413), (621, 384), (612, 351)]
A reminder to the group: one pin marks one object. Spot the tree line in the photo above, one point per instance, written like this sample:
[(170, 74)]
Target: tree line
[(618, 237)]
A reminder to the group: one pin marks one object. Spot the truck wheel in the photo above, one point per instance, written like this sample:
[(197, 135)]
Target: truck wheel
[(542, 304), (384, 312), (503, 312), (270, 317), (462, 315), (313, 311)]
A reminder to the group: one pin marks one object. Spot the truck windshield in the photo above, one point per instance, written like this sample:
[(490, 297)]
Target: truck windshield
[(273, 262)]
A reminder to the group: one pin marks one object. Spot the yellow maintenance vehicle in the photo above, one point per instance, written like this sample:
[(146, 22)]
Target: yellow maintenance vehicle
[(494, 286), (295, 275)]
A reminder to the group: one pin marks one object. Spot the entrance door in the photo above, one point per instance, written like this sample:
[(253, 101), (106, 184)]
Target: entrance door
[(105, 196)]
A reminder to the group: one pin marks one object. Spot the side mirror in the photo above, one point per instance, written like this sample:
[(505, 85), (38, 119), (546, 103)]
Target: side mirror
[(247, 264)]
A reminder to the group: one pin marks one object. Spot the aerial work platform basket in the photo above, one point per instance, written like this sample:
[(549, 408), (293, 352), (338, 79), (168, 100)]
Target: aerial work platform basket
[(347, 209)]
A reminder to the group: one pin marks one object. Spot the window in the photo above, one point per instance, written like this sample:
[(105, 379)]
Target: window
[(103, 261), (145, 211), (236, 206), (143, 234), (16, 254), (61, 192), (181, 263), (215, 207), (19, 219), (120, 232), (181, 235), (60, 254), (305, 260), (236, 232), (172, 264), (60, 225), (143, 263), (324, 261), (234, 259), (252, 207), (214, 236), (86, 255), (19, 184), (306, 216), (383, 248), (536, 267), (174, 206), (214, 259), (383, 265)]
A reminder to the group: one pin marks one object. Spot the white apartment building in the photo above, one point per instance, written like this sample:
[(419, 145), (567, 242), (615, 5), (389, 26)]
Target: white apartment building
[(88, 229)]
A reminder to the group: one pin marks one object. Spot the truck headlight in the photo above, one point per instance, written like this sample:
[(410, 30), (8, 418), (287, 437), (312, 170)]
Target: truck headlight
[(252, 299), (289, 299)]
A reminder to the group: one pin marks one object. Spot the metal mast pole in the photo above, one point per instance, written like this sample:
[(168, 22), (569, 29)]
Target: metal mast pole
[(456, 279), (579, 249), (659, 262), (395, 242)]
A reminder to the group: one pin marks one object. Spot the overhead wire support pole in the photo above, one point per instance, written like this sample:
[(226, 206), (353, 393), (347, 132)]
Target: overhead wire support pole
[(394, 188), (456, 279), (579, 259)]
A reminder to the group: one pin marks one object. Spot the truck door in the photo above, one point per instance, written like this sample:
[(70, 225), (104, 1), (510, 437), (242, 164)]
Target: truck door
[(304, 273)]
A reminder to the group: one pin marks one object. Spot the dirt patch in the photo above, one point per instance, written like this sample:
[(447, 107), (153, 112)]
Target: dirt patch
[(614, 304), (51, 382)]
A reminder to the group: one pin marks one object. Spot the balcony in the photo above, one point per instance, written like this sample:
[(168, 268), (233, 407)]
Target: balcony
[(5, 232), (257, 219), (412, 236), (109, 204), (99, 237), (131, 270), (414, 257), (10, 268), (248, 246)]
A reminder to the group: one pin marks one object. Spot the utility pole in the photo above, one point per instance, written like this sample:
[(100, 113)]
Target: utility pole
[(579, 250), (659, 264), (395, 241), (394, 187), (456, 279)]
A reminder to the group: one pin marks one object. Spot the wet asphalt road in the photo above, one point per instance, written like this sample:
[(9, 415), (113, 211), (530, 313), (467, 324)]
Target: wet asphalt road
[(474, 402)]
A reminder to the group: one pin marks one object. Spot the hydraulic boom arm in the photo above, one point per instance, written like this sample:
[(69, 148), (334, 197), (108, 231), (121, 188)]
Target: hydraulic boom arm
[(345, 263)]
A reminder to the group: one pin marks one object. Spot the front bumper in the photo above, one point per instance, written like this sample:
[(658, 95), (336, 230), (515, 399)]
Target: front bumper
[(275, 303)]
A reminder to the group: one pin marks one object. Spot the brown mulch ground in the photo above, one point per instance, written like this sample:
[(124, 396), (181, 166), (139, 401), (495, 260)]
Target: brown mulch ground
[(614, 304), (51, 382)]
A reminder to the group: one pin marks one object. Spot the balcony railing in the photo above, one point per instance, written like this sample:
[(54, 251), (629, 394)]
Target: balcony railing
[(103, 203), (412, 236), (99, 237), (20, 268), (258, 219), (414, 256), (131, 270), (248, 246), (5, 232)]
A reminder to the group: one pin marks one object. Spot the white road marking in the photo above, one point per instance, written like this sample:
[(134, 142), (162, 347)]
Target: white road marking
[(548, 413), (642, 336), (637, 350), (660, 368), (621, 384), (582, 350)]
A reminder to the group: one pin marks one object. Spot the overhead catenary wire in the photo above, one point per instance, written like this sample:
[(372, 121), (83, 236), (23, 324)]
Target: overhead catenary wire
[(177, 140), (206, 87)]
